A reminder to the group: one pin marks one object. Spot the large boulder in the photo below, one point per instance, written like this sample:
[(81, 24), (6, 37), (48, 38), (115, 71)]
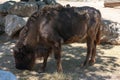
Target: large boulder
[(111, 32), (13, 24), (3, 12), (6, 6), (24, 9), (53, 2), (40, 4)]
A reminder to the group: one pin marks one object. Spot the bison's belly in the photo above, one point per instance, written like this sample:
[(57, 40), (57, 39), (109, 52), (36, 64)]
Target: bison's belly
[(75, 38)]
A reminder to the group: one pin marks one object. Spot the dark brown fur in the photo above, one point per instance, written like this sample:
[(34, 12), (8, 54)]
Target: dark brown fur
[(49, 28)]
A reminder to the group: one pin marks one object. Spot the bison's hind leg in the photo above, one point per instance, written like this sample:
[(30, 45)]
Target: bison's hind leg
[(92, 59), (91, 48), (96, 41), (90, 42)]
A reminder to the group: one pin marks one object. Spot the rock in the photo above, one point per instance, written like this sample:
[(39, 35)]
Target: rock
[(24, 9), (53, 2), (111, 32), (6, 6), (40, 4), (5, 75), (3, 12), (13, 24)]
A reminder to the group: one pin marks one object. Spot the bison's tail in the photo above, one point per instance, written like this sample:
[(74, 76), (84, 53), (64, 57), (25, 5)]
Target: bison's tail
[(98, 36)]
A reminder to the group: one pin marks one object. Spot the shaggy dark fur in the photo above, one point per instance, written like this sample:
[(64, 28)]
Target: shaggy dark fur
[(52, 26)]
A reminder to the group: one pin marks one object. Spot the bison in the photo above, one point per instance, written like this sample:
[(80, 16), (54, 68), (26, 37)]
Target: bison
[(46, 30)]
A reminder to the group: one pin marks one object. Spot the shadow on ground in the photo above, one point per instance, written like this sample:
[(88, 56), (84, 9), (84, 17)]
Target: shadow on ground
[(72, 59)]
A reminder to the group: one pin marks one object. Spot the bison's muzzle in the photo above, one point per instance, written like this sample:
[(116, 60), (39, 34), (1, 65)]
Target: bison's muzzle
[(22, 67)]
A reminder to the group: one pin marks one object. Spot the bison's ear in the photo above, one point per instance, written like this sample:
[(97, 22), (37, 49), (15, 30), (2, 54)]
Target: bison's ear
[(15, 49)]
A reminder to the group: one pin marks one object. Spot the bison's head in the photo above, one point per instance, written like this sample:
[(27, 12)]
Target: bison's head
[(24, 58)]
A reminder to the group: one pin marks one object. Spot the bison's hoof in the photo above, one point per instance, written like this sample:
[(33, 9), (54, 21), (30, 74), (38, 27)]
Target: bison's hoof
[(84, 66), (41, 70), (91, 62), (60, 70)]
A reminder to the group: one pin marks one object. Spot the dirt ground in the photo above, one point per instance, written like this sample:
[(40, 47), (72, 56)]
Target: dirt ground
[(107, 66)]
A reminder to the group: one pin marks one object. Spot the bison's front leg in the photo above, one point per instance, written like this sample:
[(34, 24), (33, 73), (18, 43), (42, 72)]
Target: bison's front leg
[(44, 62), (57, 54)]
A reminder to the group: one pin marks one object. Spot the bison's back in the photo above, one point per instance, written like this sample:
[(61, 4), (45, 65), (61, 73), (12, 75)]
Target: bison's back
[(69, 25), (74, 24), (66, 24)]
